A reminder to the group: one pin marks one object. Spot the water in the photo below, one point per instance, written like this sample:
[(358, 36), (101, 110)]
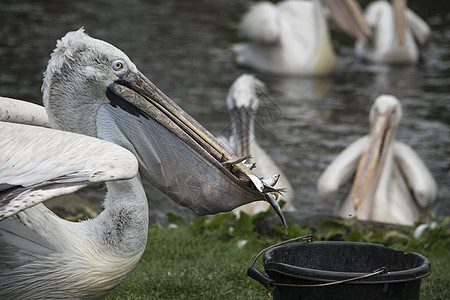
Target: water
[(183, 47)]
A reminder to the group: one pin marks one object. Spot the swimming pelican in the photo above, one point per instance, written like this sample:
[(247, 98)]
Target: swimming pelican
[(399, 34), (243, 102), (92, 88), (292, 37), (391, 183)]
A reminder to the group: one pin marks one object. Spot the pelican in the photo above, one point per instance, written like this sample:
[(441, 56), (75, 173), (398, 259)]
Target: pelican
[(292, 37), (243, 102), (391, 183), (399, 34), (92, 88)]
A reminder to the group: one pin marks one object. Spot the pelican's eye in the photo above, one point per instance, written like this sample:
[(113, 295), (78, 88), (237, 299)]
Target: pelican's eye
[(393, 118), (119, 67)]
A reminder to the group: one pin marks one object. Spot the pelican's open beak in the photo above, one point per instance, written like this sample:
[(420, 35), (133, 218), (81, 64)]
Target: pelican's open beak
[(370, 165), (177, 155), (348, 16)]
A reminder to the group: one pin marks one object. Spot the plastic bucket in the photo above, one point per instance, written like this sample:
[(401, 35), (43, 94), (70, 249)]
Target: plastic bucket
[(342, 270)]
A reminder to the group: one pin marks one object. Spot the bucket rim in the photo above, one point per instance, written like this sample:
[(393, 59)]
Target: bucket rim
[(421, 271)]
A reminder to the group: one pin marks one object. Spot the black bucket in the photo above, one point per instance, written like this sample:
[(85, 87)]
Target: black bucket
[(341, 270)]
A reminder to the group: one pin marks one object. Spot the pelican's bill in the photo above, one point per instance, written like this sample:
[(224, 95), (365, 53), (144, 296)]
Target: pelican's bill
[(192, 173), (369, 168)]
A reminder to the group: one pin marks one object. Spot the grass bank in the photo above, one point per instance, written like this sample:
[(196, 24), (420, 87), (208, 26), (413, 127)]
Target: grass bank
[(208, 259)]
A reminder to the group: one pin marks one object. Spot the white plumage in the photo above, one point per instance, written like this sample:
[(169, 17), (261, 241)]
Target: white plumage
[(243, 102), (392, 184), (292, 37), (60, 163), (92, 88), (53, 258), (22, 112), (399, 34)]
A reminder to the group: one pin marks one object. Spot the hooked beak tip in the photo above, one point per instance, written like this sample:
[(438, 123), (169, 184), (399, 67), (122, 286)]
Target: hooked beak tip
[(273, 202)]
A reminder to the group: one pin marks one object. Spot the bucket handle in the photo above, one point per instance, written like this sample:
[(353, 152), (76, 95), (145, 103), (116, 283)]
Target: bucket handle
[(270, 284), (267, 282)]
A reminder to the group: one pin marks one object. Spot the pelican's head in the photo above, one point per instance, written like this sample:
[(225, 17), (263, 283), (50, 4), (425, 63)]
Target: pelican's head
[(243, 102), (78, 78), (93, 88), (384, 117), (244, 93), (388, 109)]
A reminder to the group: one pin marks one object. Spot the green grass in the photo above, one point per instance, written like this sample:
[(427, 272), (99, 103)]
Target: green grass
[(437, 285), (203, 261)]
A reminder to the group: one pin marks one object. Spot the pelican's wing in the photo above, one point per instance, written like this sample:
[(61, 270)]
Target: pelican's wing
[(18, 111), (39, 163), (340, 169), (418, 177), (261, 24), (419, 28), (349, 17)]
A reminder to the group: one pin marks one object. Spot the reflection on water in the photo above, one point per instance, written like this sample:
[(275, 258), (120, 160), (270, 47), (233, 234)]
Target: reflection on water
[(303, 89), (183, 47)]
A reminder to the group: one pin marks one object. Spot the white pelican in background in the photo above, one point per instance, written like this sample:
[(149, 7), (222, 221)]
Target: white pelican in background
[(92, 88), (391, 183), (292, 37), (243, 102), (398, 34)]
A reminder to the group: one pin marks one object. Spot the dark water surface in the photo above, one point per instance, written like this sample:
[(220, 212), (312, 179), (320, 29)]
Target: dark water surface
[(183, 47)]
